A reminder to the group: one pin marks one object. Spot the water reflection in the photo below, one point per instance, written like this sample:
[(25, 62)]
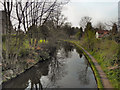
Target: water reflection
[(67, 49), (79, 52), (34, 74), (84, 72), (68, 68)]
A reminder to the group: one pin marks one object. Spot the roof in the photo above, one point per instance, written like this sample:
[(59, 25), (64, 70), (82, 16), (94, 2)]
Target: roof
[(103, 31)]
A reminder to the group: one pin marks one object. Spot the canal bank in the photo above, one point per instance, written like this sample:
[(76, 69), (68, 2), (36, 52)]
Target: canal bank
[(101, 78), (20, 68), (68, 68), (12, 68)]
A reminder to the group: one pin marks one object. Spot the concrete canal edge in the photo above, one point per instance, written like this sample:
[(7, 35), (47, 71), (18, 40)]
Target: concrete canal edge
[(20, 72), (100, 76), (23, 71)]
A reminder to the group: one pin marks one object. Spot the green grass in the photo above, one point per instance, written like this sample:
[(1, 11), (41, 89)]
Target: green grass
[(111, 74), (105, 57)]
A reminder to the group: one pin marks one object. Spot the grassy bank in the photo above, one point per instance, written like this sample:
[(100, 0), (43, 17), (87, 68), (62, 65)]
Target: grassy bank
[(106, 52), (112, 72), (97, 76)]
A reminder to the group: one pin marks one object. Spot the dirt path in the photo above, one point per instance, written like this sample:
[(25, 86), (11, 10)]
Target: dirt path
[(103, 76)]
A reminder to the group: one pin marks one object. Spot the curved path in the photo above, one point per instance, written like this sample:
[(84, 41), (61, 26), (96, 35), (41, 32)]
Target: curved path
[(103, 76)]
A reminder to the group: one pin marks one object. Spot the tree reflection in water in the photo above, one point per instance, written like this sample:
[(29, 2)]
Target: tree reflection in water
[(34, 74), (53, 69), (83, 73), (57, 65), (67, 49)]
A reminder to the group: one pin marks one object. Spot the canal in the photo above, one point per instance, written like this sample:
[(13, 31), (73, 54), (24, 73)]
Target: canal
[(68, 68)]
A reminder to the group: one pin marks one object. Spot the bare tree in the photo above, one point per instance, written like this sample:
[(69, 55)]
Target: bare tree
[(34, 14), (57, 18), (110, 24), (101, 26), (84, 20), (8, 5)]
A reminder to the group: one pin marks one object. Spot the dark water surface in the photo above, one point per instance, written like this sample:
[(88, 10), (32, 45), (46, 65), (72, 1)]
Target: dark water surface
[(68, 68)]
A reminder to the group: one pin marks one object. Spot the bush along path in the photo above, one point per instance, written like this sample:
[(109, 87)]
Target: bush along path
[(101, 78)]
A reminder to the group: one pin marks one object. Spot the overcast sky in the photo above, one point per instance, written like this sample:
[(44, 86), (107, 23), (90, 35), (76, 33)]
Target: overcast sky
[(99, 10)]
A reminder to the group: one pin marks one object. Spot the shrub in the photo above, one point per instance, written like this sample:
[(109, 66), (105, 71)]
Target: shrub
[(23, 53)]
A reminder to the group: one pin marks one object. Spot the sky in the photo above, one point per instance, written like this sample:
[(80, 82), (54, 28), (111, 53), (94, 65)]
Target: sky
[(100, 11)]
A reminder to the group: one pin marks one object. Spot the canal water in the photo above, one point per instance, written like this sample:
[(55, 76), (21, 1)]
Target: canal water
[(68, 68)]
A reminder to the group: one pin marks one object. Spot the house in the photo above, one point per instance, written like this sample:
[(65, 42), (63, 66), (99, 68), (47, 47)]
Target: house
[(102, 33)]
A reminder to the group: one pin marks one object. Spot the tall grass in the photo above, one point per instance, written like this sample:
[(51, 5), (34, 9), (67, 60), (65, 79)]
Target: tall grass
[(107, 53)]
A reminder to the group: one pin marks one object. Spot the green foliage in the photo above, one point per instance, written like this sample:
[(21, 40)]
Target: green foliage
[(26, 44), (32, 32), (44, 30), (88, 27), (3, 38), (108, 50), (23, 53), (105, 62), (79, 33), (114, 77), (69, 31), (107, 53), (42, 56), (114, 29), (89, 39)]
